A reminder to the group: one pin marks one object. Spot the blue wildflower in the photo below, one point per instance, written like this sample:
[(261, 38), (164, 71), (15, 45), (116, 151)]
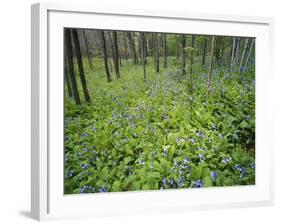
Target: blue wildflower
[(200, 134), (86, 150), (93, 128), (84, 165), (214, 176), (181, 182), (102, 189), (248, 117), (186, 161), (199, 183), (192, 140), (85, 134), (192, 184), (69, 173), (201, 157)]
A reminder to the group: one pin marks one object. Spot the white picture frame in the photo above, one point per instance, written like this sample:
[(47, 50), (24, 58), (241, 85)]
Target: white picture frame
[(47, 199)]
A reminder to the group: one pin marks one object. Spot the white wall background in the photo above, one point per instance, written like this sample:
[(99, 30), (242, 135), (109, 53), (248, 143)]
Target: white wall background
[(15, 110)]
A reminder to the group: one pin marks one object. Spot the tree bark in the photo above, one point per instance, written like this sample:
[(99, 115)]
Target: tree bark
[(69, 54), (232, 54), (249, 54), (204, 51), (183, 54), (211, 65), (243, 54), (165, 50), (66, 76), (80, 65), (156, 52), (116, 55), (104, 47), (87, 50), (133, 47), (143, 43)]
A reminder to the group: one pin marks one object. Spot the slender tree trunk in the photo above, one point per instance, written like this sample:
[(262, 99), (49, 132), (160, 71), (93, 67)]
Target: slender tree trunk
[(177, 48), (211, 65), (204, 52), (165, 50), (143, 43), (125, 48), (236, 57), (69, 54), (232, 54), (243, 54), (133, 47), (192, 42), (249, 54), (183, 55), (105, 56), (156, 52), (87, 50), (80, 65), (115, 54), (66, 76)]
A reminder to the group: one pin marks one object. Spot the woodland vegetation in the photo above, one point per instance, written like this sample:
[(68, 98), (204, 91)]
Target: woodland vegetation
[(148, 111)]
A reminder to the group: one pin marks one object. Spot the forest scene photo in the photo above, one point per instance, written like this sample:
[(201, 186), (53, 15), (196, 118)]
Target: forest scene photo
[(157, 111)]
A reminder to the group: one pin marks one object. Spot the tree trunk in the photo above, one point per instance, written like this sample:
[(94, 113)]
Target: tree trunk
[(125, 48), (66, 76), (115, 55), (211, 65), (143, 43), (249, 54), (192, 42), (165, 50), (87, 50), (69, 54), (105, 56), (156, 53), (232, 54), (243, 54), (204, 52), (183, 57), (177, 48), (236, 57), (133, 47), (80, 65)]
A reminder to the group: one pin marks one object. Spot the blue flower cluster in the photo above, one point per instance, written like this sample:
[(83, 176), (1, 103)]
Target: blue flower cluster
[(87, 189)]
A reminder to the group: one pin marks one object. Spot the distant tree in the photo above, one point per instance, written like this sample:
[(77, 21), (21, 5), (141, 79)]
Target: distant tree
[(125, 47), (204, 51), (156, 52), (249, 54), (143, 44), (211, 65), (192, 43), (116, 54), (132, 46), (183, 55), (69, 54), (104, 47), (243, 54), (80, 65), (232, 53), (177, 47), (66, 76), (236, 56), (165, 50), (87, 49)]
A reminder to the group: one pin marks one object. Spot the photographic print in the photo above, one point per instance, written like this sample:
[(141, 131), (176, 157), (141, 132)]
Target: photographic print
[(157, 111)]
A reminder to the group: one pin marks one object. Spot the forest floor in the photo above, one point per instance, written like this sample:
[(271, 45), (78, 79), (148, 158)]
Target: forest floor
[(160, 134)]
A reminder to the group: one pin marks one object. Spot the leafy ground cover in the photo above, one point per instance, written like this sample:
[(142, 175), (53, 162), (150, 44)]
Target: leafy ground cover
[(159, 135)]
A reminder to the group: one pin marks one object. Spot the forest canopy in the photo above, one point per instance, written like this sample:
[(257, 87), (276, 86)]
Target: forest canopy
[(148, 111)]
